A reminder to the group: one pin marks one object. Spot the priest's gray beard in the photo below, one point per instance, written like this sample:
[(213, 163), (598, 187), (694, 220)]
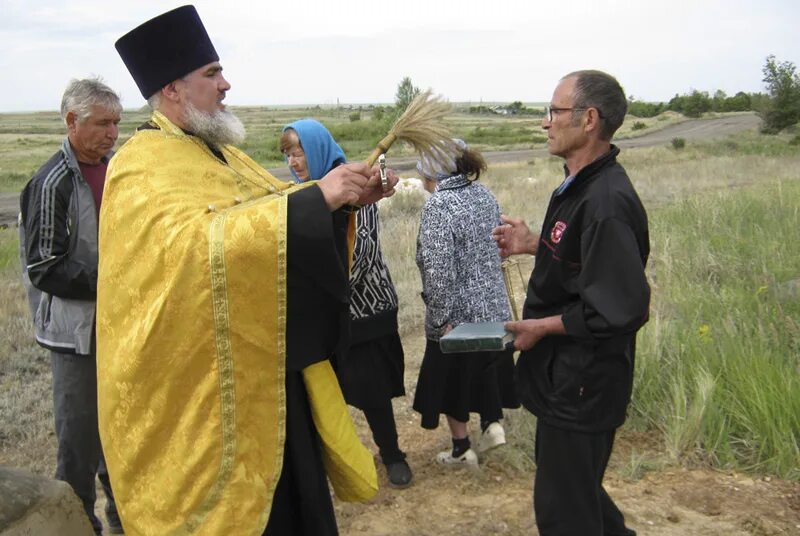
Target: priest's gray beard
[(217, 128)]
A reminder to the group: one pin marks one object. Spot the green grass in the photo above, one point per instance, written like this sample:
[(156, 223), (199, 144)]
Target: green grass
[(637, 126), (718, 364), (27, 140), (717, 373), (503, 135), (26, 436), (9, 250)]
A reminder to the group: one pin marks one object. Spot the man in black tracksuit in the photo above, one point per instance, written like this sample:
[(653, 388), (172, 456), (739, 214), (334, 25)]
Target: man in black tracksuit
[(587, 297)]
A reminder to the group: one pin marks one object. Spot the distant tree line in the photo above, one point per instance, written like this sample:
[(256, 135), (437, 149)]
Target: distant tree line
[(779, 107), (515, 108), (696, 103)]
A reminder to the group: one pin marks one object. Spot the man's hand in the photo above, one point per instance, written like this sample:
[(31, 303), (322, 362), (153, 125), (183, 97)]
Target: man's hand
[(514, 237), (529, 332), (373, 191), (344, 185)]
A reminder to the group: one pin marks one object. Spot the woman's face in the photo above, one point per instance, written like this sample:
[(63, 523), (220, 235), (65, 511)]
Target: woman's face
[(429, 184), (296, 158)]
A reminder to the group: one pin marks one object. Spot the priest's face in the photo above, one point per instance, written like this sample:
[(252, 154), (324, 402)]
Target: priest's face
[(201, 93), (204, 88)]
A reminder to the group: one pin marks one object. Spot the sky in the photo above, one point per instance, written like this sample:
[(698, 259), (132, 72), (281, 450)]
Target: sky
[(357, 51)]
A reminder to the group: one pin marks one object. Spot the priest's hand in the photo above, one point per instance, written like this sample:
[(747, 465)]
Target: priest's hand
[(373, 191), (344, 185), (514, 237)]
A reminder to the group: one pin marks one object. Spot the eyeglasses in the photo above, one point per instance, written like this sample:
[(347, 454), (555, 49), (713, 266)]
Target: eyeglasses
[(550, 110)]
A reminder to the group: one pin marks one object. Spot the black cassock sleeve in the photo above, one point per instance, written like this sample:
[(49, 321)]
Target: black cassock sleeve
[(317, 280), (317, 325)]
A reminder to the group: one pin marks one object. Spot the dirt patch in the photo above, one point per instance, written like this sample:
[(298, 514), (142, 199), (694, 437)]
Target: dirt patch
[(495, 500)]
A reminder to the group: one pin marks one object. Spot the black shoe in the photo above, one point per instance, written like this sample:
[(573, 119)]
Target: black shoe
[(399, 474)]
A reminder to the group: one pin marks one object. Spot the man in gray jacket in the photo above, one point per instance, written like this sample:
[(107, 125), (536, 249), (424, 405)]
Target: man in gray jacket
[(59, 208)]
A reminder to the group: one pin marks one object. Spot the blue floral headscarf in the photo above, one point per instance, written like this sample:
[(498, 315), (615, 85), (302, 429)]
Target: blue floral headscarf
[(322, 152)]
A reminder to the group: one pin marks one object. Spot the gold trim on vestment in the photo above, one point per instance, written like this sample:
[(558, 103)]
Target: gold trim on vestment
[(216, 246), (281, 365)]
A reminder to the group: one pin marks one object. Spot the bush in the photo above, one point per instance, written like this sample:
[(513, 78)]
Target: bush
[(480, 110), (355, 116), (678, 143), (694, 104), (638, 125), (645, 109), (783, 83), (795, 140)]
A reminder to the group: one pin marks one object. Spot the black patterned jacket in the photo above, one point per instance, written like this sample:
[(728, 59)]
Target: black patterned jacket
[(373, 300)]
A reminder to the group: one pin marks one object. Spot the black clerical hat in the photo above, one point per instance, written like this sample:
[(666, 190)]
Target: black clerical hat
[(166, 48)]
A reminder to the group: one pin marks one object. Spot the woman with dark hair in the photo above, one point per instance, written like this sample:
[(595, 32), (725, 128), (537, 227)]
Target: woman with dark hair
[(461, 282), (370, 370)]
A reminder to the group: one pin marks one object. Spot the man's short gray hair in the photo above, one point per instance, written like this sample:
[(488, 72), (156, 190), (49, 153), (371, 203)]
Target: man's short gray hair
[(81, 95), (596, 89), (155, 100)]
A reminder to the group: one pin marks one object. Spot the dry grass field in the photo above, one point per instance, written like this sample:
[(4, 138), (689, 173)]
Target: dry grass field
[(676, 469)]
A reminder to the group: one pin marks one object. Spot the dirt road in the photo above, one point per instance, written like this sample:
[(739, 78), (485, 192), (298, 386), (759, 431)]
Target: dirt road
[(691, 130)]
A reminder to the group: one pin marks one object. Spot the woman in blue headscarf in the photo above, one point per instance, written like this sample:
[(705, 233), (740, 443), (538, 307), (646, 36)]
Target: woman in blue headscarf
[(371, 370)]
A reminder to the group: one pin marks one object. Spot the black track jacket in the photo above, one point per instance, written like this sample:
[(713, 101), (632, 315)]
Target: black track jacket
[(590, 268)]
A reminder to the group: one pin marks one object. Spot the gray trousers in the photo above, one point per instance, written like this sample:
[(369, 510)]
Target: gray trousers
[(80, 456)]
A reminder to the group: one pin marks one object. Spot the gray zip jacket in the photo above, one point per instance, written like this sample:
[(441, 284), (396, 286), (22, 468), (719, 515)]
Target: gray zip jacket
[(58, 252)]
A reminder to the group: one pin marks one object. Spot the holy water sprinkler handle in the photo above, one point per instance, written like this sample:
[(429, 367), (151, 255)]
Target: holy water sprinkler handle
[(382, 164)]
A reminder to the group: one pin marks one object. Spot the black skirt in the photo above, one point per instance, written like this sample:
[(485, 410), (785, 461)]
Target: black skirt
[(371, 373), (464, 383)]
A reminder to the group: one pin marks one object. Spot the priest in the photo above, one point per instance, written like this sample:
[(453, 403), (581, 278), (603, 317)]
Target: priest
[(222, 292)]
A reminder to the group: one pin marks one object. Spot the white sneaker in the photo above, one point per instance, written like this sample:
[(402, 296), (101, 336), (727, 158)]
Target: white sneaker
[(468, 458), (492, 437)]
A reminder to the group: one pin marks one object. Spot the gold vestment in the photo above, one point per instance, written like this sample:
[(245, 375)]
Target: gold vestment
[(191, 324)]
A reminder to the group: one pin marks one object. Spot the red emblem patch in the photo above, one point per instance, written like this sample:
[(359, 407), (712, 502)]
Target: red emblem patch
[(558, 232)]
